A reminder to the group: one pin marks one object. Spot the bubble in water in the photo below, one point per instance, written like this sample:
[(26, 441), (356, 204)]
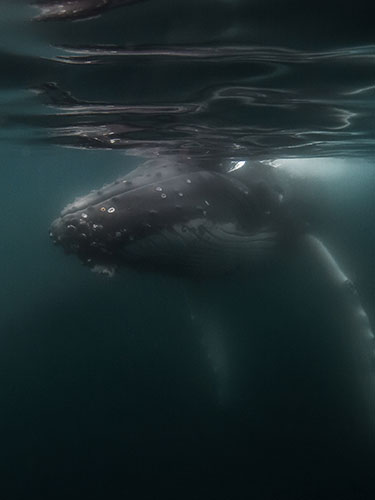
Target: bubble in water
[(163, 195)]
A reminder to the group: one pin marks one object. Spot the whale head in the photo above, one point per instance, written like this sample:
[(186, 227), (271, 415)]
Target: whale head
[(164, 218)]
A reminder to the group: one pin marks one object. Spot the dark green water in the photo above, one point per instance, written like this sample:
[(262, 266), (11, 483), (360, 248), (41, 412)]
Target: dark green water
[(105, 390)]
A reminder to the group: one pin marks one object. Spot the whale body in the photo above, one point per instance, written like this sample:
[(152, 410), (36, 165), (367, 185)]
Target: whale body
[(176, 217)]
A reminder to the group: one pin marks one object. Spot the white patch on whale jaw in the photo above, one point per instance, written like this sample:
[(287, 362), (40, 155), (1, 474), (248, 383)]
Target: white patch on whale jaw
[(107, 271), (204, 246)]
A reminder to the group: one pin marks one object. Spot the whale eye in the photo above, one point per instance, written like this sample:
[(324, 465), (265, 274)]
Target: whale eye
[(103, 209)]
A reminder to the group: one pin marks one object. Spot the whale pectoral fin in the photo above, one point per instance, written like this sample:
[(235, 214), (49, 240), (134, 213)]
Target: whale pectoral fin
[(342, 284), (208, 325), (213, 342), (355, 322)]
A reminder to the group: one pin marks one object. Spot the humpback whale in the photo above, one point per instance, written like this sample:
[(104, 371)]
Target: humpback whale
[(179, 219), (189, 219)]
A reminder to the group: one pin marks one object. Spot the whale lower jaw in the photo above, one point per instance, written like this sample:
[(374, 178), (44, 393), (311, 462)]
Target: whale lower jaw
[(199, 247)]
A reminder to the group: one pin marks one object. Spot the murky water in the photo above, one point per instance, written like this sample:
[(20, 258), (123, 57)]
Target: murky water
[(118, 387)]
